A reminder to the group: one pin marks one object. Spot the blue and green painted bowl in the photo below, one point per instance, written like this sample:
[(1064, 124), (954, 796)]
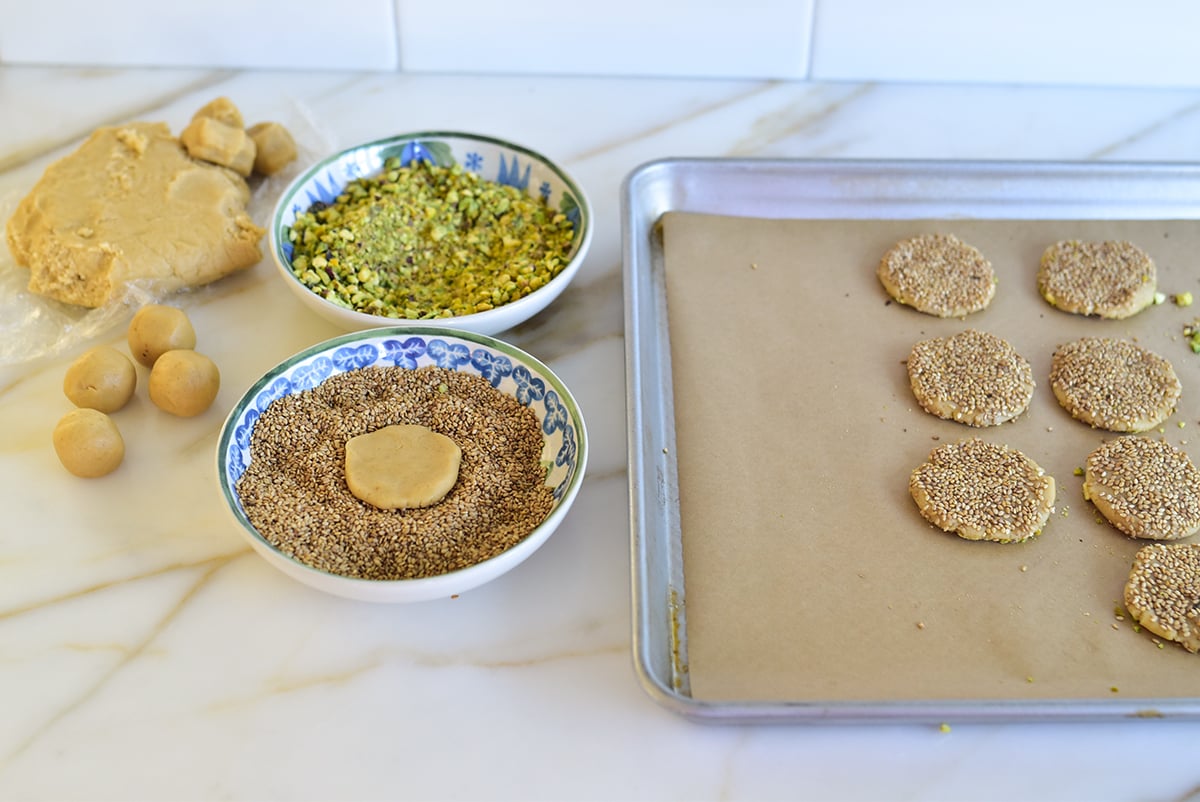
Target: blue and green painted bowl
[(490, 158), (506, 367)]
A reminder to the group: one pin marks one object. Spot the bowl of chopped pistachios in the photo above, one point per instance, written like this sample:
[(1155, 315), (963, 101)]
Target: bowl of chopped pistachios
[(402, 464), (431, 229)]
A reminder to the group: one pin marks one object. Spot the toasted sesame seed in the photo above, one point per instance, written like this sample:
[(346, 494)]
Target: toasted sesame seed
[(938, 274), (295, 493), (1145, 487), (1163, 591), (983, 491), (1114, 384), (1112, 279), (974, 378)]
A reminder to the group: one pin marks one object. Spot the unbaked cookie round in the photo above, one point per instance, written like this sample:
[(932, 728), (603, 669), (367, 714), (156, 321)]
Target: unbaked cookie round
[(938, 274), (402, 466), (1111, 279), (983, 491), (974, 378), (1163, 591), (1114, 384), (1146, 488)]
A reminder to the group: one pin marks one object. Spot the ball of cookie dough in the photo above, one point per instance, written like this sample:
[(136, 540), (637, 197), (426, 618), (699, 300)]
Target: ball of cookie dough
[(184, 382), (156, 329), (102, 379), (88, 443)]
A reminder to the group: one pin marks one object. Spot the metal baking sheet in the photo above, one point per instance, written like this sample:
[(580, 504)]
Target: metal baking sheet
[(828, 190)]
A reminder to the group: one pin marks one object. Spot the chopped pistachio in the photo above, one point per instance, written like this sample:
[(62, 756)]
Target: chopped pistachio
[(424, 242), (1192, 332), (1183, 299)]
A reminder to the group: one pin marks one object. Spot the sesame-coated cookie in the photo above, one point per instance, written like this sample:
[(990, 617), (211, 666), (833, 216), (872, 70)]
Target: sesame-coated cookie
[(1163, 591), (1147, 488), (938, 274), (974, 378), (1112, 279), (1114, 384), (983, 491)]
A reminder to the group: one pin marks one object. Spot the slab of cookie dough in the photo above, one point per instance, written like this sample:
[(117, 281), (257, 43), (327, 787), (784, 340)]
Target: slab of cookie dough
[(974, 378), (938, 274), (983, 491), (1114, 384), (127, 205), (1147, 488), (404, 466), (1112, 279), (1163, 591)]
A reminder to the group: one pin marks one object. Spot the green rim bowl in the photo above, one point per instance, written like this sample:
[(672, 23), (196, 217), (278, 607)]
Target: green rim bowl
[(490, 158), (508, 368)]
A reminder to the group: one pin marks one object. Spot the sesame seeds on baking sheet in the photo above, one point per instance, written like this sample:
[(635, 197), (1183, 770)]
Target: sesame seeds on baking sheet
[(974, 378), (983, 491), (1163, 591), (1111, 279), (938, 274), (1114, 384), (1145, 487)]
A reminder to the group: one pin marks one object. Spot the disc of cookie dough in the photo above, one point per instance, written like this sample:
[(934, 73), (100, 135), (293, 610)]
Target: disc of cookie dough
[(983, 491), (1112, 279), (403, 466), (1145, 487), (974, 378), (1114, 384), (1163, 591), (938, 274)]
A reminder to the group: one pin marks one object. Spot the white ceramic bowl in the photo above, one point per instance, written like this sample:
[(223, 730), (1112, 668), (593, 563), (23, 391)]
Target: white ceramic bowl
[(512, 371), (493, 159)]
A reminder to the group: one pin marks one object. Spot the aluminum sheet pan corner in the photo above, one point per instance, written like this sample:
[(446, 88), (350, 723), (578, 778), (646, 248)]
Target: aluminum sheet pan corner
[(825, 189)]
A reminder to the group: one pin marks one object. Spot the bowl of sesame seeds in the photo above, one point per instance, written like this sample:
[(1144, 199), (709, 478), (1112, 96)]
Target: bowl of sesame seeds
[(432, 228), (284, 462)]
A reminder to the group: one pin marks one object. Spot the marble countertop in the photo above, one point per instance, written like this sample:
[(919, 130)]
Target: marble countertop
[(147, 653)]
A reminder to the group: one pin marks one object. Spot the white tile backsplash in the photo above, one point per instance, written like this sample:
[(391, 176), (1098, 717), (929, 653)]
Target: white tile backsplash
[(704, 38), (353, 35), (1080, 42)]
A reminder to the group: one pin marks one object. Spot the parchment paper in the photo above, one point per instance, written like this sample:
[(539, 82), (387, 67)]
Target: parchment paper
[(809, 573)]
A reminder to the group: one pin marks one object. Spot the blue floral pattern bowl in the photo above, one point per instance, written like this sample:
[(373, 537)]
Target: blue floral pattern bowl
[(507, 368), (492, 159)]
